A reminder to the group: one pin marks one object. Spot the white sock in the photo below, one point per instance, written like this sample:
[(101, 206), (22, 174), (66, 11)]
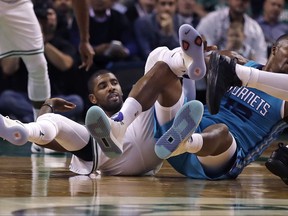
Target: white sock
[(131, 109), (193, 146), (196, 145), (274, 84)]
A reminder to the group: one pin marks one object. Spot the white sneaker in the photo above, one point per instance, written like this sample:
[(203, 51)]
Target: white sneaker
[(107, 133), (13, 131), (173, 58)]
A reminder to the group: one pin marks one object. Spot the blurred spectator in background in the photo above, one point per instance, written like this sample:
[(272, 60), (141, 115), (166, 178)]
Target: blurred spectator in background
[(256, 7), (65, 17), (235, 38), (111, 35), (208, 6), (214, 27), (119, 6), (190, 11), (159, 28), (269, 21), (139, 9), (81, 13), (284, 14)]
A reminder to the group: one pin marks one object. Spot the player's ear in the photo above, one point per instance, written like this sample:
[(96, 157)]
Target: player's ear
[(273, 50), (92, 99)]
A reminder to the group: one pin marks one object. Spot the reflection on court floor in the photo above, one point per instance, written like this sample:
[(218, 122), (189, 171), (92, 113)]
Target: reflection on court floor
[(43, 185), (147, 206)]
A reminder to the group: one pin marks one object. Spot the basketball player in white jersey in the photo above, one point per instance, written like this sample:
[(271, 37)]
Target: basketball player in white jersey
[(138, 157)]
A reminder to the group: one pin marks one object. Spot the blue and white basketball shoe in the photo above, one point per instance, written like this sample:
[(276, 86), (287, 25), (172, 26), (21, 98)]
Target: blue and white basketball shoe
[(105, 131), (185, 123)]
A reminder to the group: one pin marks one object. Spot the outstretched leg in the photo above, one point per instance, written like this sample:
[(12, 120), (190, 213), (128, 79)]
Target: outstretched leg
[(48, 128)]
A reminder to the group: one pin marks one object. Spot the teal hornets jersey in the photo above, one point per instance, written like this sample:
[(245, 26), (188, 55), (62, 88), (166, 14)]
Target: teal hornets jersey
[(252, 116)]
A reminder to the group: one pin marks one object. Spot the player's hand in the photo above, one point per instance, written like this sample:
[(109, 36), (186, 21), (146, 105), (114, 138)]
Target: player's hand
[(234, 55), (87, 53), (206, 47), (60, 105)]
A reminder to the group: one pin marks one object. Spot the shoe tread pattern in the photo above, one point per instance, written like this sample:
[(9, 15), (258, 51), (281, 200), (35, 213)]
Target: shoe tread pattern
[(192, 45), (185, 123), (99, 127)]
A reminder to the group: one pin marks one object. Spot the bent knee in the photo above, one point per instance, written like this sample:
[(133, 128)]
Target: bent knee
[(220, 128)]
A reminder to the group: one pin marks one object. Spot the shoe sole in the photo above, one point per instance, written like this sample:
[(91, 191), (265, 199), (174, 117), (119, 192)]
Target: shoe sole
[(15, 134), (185, 123), (99, 127), (192, 45), (212, 77), (277, 168)]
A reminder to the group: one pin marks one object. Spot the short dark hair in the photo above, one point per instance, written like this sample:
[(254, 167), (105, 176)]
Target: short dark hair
[(282, 38), (94, 76)]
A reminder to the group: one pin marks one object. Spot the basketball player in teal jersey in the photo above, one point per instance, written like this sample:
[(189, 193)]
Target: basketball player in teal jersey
[(244, 123)]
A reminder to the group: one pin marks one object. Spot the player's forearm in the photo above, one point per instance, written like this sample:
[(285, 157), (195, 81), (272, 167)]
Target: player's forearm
[(81, 11)]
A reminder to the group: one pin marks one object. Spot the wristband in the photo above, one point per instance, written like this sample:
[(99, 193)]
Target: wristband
[(50, 106)]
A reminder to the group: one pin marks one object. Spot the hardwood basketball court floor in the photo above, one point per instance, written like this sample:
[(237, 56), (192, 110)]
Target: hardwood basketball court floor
[(37, 184)]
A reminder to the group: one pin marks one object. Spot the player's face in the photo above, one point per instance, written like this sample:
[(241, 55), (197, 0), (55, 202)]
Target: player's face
[(107, 93), (280, 60)]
